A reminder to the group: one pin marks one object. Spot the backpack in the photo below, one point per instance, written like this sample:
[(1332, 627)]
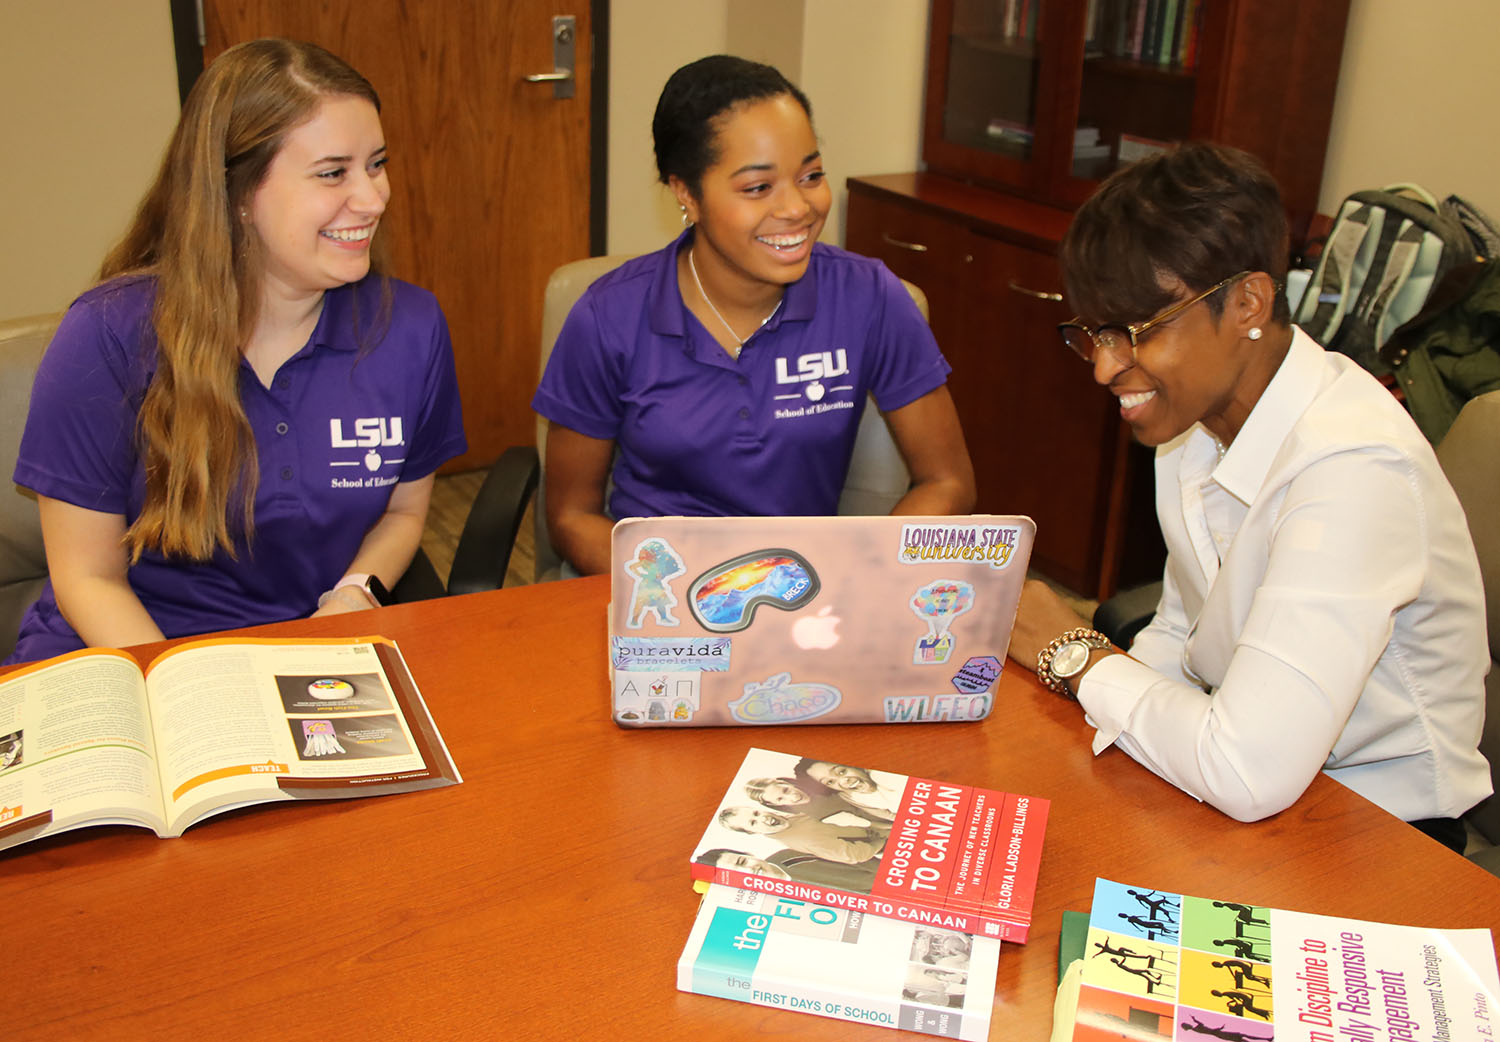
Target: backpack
[(1388, 248)]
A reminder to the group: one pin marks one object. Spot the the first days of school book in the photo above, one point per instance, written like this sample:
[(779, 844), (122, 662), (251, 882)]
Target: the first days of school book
[(794, 955), (1158, 965), (88, 739)]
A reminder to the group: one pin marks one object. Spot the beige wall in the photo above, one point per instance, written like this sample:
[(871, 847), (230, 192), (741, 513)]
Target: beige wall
[(860, 61), (1417, 90), (90, 97), (862, 64), (648, 39)]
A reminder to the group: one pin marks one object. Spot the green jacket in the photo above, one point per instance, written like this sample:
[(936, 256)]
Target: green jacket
[(1450, 352)]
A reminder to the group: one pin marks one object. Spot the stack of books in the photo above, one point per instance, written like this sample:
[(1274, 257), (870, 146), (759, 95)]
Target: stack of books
[(856, 893)]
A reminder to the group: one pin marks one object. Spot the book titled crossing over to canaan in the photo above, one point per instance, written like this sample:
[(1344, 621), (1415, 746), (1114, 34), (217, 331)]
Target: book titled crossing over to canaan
[(927, 852)]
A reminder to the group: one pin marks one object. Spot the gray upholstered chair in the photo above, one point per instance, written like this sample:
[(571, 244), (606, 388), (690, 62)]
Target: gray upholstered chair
[(1470, 455), (23, 562), (877, 474)]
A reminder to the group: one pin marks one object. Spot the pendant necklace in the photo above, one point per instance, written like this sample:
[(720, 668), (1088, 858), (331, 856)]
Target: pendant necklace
[(738, 341)]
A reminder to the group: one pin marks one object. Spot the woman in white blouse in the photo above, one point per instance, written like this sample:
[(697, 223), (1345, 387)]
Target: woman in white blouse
[(1322, 606)]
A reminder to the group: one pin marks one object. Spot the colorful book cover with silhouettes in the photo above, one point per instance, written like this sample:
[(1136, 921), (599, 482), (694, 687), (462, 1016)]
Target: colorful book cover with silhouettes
[(1164, 966), (927, 852)]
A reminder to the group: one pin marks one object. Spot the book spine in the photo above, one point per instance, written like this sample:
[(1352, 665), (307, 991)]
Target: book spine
[(1167, 49), (1000, 925), (1118, 16), (1011, 887), (1151, 39), (1137, 30), (776, 992), (1193, 23)]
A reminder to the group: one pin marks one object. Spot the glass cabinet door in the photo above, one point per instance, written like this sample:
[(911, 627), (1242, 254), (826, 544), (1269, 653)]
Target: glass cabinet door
[(990, 96), (1140, 60)]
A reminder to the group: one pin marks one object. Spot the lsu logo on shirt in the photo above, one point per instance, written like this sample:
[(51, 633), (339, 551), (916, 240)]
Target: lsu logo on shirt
[(820, 365), (369, 431), (814, 378), (372, 433)]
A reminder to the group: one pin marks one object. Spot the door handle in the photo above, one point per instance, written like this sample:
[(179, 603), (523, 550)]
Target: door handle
[(564, 43), (1038, 294), (915, 247)]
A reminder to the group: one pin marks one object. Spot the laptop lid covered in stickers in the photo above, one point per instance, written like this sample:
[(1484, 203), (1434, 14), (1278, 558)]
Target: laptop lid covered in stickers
[(820, 620)]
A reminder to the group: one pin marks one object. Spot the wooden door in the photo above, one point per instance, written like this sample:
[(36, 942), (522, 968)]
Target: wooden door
[(489, 173)]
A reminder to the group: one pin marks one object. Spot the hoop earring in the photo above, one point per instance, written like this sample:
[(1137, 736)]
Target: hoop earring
[(1254, 333), (687, 222)]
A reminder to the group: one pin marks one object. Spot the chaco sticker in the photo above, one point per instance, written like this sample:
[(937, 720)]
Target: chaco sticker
[(780, 701)]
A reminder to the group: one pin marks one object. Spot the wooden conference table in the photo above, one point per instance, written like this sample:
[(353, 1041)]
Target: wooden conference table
[(547, 897)]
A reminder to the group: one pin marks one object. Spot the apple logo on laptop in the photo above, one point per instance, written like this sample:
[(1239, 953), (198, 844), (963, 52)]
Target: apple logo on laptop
[(815, 632)]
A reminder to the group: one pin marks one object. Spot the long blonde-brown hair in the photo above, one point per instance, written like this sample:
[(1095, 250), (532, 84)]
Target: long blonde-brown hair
[(198, 448)]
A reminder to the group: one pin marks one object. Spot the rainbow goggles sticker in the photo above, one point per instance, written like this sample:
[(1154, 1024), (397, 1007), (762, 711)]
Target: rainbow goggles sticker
[(725, 598)]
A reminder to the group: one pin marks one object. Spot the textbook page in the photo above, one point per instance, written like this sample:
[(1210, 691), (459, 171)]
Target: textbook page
[(251, 721), (76, 748)]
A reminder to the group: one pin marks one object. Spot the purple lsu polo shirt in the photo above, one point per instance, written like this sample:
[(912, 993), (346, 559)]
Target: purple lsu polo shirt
[(701, 434), (339, 426)]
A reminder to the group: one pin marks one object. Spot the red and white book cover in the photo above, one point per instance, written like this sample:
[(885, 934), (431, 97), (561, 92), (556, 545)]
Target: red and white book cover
[(925, 851)]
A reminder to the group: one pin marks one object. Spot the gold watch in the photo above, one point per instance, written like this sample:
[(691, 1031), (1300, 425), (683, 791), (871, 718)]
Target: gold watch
[(1066, 657)]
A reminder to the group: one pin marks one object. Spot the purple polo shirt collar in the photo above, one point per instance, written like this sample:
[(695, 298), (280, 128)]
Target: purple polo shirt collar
[(669, 311)]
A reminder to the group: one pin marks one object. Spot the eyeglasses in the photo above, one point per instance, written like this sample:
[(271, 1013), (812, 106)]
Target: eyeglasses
[(1116, 337)]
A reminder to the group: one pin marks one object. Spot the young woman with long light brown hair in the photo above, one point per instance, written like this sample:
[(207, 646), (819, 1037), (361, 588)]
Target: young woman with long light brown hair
[(241, 422)]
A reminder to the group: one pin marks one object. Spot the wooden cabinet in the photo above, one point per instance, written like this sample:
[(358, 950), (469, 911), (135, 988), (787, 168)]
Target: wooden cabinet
[(1045, 440), (1028, 103), (1044, 97)]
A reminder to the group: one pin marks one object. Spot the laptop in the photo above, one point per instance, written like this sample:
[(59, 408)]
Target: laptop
[(811, 620)]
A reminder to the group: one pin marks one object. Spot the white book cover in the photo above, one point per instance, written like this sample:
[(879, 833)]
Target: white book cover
[(794, 955)]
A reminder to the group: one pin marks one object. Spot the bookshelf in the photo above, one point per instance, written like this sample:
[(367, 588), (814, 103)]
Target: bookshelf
[(1028, 104)]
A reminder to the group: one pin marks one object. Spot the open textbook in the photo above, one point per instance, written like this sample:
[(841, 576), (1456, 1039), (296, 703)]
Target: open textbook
[(88, 739), (1161, 965)]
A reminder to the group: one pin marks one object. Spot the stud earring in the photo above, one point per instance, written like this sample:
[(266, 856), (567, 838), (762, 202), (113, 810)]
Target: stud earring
[(1254, 333)]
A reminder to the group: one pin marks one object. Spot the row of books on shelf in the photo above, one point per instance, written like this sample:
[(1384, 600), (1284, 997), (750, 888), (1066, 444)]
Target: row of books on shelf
[(1156, 32), (1016, 18), (1088, 145), (883, 899)]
